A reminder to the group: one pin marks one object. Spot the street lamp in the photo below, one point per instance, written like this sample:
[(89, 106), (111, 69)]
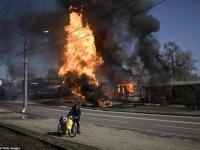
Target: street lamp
[(25, 68)]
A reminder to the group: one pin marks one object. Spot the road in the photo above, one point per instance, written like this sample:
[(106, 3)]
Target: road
[(157, 124)]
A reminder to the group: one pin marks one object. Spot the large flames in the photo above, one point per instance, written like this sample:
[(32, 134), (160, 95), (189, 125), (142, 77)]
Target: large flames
[(79, 56)]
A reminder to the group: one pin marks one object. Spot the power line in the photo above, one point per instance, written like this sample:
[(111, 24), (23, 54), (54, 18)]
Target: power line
[(92, 33), (103, 28), (88, 24), (8, 9), (77, 28), (5, 7), (11, 58), (12, 66)]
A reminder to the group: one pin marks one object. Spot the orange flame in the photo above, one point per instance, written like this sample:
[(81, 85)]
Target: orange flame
[(127, 88), (79, 55)]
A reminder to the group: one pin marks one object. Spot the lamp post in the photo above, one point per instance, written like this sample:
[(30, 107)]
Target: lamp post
[(25, 68)]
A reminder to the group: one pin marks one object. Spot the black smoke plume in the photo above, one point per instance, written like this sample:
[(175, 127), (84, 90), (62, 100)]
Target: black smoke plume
[(123, 46), (115, 44)]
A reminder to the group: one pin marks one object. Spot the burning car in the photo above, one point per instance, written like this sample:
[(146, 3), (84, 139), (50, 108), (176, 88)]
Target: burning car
[(104, 103), (99, 103)]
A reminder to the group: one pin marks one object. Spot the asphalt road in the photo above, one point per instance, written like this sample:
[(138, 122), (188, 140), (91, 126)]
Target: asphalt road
[(166, 125)]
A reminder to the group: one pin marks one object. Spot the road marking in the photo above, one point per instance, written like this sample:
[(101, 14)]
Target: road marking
[(58, 114), (176, 127), (142, 114), (141, 118), (109, 120), (174, 116), (35, 110), (114, 116)]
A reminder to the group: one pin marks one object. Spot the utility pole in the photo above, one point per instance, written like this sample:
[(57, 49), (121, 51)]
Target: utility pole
[(25, 100), (25, 78)]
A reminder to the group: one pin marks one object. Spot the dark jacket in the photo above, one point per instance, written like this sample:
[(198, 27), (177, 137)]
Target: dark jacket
[(74, 112)]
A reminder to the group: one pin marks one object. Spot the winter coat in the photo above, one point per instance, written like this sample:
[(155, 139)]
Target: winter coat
[(75, 113)]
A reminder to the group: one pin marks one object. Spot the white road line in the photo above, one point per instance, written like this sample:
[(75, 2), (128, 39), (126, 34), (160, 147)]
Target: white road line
[(35, 110), (176, 127), (174, 116), (109, 120), (141, 118), (114, 116), (58, 114)]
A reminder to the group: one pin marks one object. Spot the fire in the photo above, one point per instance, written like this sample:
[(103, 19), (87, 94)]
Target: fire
[(79, 55), (127, 88)]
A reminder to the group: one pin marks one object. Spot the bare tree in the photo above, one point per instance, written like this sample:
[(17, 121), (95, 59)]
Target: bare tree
[(164, 88), (31, 76), (180, 63), (160, 88), (140, 75), (154, 85), (52, 73)]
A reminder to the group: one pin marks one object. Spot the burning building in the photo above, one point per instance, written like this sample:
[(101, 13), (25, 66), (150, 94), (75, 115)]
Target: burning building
[(107, 39), (126, 89), (86, 51)]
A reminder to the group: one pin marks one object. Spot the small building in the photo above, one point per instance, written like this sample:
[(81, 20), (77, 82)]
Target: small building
[(39, 85)]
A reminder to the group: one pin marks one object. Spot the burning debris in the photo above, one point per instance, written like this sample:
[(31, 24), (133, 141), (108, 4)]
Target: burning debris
[(105, 50), (115, 51)]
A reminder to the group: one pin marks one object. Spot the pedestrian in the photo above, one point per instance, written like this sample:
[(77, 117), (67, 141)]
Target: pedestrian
[(76, 113)]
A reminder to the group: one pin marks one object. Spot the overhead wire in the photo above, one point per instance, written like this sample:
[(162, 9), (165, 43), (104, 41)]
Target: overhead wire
[(8, 10), (5, 7), (101, 29), (90, 23), (77, 28), (12, 65), (95, 31), (1, 19), (12, 58), (71, 32)]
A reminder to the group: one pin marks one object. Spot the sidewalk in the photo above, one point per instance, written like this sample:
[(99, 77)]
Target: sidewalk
[(101, 137)]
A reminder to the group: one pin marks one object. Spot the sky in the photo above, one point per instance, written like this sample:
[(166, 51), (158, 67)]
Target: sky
[(179, 19), (180, 22)]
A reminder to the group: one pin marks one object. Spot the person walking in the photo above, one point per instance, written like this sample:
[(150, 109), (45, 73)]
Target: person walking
[(76, 113)]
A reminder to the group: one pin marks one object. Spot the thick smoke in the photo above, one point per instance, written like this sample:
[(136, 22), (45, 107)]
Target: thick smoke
[(123, 47), (10, 47), (32, 17), (127, 45), (146, 47), (111, 42)]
